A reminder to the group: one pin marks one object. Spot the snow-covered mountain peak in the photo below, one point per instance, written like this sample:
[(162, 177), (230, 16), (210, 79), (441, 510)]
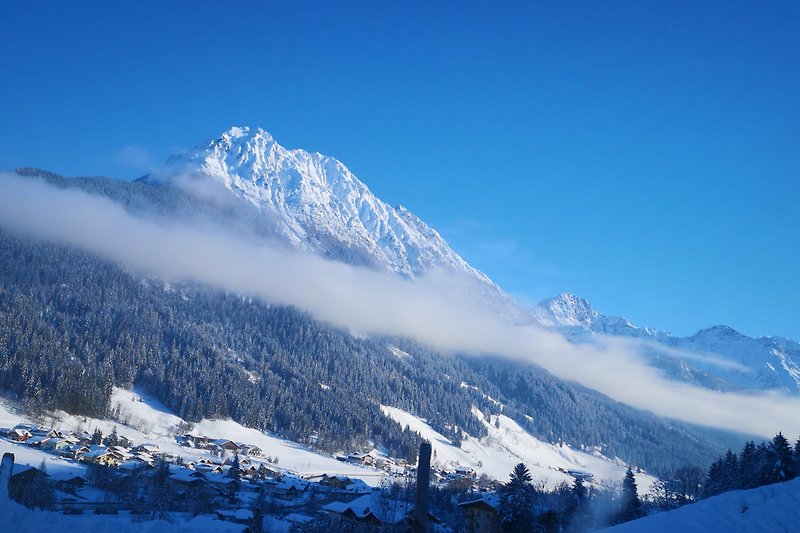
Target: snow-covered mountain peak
[(719, 331), (717, 357), (568, 310), (315, 203)]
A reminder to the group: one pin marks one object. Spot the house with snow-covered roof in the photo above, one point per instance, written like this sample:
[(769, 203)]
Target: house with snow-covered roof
[(19, 434), (101, 455), (373, 511), (482, 516)]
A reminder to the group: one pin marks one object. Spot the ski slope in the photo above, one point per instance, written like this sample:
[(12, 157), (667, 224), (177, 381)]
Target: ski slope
[(508, 444)]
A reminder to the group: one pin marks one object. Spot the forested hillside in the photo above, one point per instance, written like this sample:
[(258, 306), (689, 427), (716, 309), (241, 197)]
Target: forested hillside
[(72, 325)]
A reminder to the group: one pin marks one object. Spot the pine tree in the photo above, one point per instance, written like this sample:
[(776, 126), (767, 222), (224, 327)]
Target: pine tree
[(714, 483), (749, 466), (112, 439), (97, 436), (234, 474), (517, 500), (234, 471), (631, 506), (783, 467), (730, 472), (797, 456), (578, 512)]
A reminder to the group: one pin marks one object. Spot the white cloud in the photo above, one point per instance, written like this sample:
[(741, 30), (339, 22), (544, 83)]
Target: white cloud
[(438, 309)]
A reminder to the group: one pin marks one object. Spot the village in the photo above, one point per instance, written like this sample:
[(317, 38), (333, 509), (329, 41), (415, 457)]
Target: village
[(228, 480)]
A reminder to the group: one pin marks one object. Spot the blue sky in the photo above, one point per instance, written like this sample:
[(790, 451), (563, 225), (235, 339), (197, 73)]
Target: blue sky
[(643, 155)]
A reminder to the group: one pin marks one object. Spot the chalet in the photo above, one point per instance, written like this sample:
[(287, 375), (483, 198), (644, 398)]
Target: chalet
[(101, 455), (208, 467), (22, 477), (59, 443), (364, 459), (238, 516), (482, 514), (199, 441), (464, 471), (73, 451), (37, 441), (336, 482), (149, 448), (288, 487), (121, 454), (84, 437), (252, 451), (185, 478), (248, 470), (372, 512), (344, 484), (142, 457), (42, 431), (226, 444), (357, 486), (69, 482), (265, 471), (221, 482), (19, 434)]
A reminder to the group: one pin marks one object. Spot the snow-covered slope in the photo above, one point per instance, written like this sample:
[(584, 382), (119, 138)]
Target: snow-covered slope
[(508, 444), (143, 419), (718, 357), (771, 508)]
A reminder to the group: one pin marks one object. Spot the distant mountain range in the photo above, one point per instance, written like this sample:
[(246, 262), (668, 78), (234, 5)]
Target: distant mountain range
[(718, 357)]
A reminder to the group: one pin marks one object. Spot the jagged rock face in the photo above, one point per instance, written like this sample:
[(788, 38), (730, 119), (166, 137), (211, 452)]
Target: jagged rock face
[(312, 202), (317, 199)]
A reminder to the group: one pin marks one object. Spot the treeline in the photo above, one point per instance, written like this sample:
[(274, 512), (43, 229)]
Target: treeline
[(755, 466)]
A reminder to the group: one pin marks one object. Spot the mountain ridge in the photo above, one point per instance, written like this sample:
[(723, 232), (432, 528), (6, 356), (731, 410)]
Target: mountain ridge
[(717, 357)]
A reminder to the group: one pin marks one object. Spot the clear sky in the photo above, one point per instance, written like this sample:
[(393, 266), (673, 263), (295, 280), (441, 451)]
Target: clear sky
[(644, 155)]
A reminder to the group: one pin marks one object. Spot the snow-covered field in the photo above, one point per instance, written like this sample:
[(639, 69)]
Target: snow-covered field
[(508, 444), (14, 517), (771, 508)]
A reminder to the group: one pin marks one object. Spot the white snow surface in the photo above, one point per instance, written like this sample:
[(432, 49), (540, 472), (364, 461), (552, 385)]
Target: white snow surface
[(509, 444), (15, 517), (770, 508)]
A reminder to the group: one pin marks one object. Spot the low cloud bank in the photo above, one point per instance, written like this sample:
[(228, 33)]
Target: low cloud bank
[(438, 309)]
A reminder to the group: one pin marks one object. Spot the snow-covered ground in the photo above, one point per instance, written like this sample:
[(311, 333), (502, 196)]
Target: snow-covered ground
[(508, 444), (14, 517), (57, 468), (771, 508), (149, 421)]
